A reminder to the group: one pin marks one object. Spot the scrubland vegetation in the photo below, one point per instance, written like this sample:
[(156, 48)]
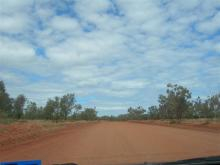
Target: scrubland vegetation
[(176, 104), (57, 108)]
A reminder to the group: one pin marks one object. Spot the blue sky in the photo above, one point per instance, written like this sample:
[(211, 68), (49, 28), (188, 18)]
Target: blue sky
[(111, 54)]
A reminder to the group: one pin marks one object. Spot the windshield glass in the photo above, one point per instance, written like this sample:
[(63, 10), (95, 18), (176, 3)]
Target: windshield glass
[(109, 81)]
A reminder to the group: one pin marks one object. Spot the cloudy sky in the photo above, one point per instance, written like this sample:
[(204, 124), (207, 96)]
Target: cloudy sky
[(111, 53)]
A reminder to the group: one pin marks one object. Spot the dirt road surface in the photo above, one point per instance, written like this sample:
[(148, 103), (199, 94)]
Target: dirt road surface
[(117, 143)]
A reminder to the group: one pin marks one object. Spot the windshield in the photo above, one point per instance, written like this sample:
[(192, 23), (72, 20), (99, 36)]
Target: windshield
[(109, 81)]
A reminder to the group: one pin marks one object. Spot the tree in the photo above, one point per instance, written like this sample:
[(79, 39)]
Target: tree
[(5, 101), (19, 106), (49, 109), (40, 112), (201, 109), (57, 109), (164, 111), (136, 113), (88, 114), (67, 103), (190, 113), (175, 103), (214, 105), (52, 109), (77, 108), (153, 112), (123, 117), (31, 110), (178, 99)]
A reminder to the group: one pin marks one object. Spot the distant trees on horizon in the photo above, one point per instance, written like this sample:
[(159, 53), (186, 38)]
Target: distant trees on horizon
[(176, 104), (57, 108)]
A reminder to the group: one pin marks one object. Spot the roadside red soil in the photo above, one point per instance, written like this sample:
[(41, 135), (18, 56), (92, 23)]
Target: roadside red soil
[(22, 132), (117, 143)]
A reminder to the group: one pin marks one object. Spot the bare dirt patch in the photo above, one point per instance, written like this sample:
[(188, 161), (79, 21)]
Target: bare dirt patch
[(115, 143)]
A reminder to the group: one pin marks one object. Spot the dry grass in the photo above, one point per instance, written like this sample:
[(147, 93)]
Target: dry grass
[(6, 121), (22, 131), (25, 130), (210, 125)]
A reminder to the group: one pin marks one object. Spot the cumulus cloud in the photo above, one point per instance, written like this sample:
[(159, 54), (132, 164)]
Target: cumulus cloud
[(121, 53), (211, 25), (64, 24), (13, 24), (15, 53)]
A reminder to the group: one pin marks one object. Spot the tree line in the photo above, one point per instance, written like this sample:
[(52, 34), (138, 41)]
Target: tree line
[(57, 108), (176, 104)]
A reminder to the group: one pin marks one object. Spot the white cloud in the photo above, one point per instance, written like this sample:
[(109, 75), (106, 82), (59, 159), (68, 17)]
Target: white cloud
[(122, 54), (129, 84), (21, 56), (88, 10), (64, 24), (15, 53), (210, 26), (13, 16), (11, 79), (14, 6), (13, 24), (86, 48), (139, 11)]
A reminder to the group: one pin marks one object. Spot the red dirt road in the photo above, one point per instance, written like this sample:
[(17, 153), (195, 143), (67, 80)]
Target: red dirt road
[(117, 143)]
